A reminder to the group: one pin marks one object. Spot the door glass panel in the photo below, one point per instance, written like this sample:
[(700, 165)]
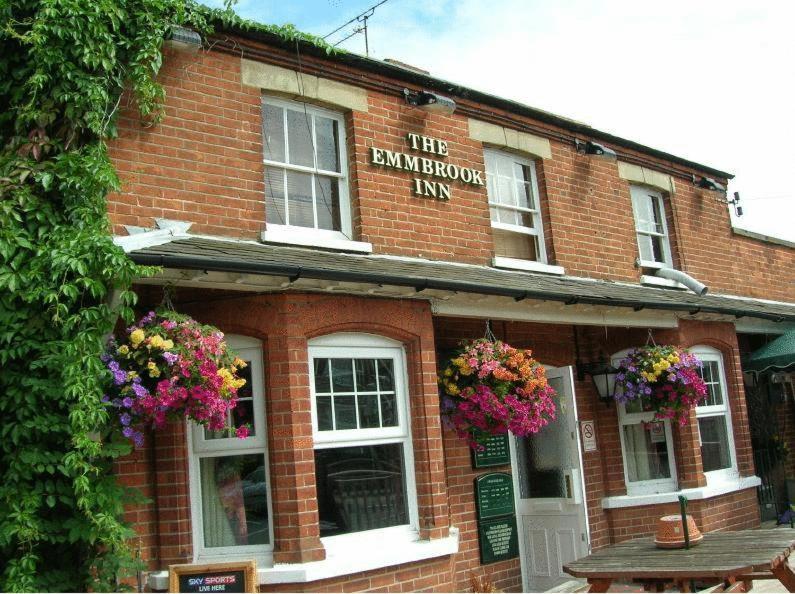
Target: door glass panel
[(545, 457)]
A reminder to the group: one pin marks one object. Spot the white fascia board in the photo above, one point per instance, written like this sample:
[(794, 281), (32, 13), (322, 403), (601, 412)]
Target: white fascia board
[(140, 241), (530, 310)]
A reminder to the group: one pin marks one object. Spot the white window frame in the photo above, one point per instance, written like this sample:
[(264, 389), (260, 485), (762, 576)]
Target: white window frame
[(368, 346), (249, 349), (636, 192), (306, 235), (624, 419), (535, 212), (707, 353)]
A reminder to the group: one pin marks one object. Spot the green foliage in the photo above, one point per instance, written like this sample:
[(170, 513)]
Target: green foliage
[(64, 67)]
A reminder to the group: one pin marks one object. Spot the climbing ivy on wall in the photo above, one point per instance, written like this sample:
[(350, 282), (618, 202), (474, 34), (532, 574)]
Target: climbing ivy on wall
[(66, 66)]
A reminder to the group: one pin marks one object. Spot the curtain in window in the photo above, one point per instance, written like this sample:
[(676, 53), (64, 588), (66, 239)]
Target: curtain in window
[(223, 509)]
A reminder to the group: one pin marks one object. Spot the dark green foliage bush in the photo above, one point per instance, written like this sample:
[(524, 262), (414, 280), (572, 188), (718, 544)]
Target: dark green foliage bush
[(64, 65)]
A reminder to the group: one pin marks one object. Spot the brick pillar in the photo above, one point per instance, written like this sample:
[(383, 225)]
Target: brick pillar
[(292, 457), (427, 435), (173, 494)]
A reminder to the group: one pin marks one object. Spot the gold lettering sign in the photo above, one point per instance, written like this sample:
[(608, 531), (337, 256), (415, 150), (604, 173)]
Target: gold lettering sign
[(427, 166)]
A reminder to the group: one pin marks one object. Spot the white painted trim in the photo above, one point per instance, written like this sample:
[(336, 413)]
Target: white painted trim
[(762, 237), (299, 236), (647, 279), (740, 484), (530, 310), (140, 241), (350, 345), (636, 193), (381, 554), (198, 448), (527, 265), (652, 486), (493, 156), (708, 353)]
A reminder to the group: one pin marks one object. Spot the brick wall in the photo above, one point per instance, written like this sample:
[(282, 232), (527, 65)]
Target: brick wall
[(735, 511), (285, 323), (603, 469), (203, 164)]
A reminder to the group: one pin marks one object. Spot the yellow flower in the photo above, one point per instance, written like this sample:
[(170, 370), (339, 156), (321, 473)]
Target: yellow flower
[(168, 344), (465, 370), (124, 349), (448, 372), (156, 341), (239, 363), (458, 362), (137, 337), (452, 389)]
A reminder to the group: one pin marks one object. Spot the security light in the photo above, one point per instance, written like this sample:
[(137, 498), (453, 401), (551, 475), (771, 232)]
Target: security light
[(430, 102), (183, 39), (708, 184), (596, 150)]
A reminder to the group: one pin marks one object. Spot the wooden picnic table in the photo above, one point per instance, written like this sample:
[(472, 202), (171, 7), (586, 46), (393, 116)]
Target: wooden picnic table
[(733, 558)]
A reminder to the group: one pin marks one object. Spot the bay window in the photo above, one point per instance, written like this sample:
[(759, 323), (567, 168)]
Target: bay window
[(363, 456), (230, 486), (646, 446), (714, 418)]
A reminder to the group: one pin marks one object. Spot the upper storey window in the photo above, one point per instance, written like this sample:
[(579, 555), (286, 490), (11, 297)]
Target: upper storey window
[(515, 213), (306, 177), (650, 227)]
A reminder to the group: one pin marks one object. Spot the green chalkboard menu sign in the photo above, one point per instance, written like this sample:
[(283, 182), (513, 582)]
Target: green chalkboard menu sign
[(497, 452), (494, 495), (498, 539), (213, 578)]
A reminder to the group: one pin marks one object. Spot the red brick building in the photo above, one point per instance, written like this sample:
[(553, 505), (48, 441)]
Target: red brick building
[(346, 240)]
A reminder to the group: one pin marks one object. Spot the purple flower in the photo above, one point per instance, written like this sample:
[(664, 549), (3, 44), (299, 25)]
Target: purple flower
[(125, 419), (140, 390), (147, 319), (105, 398), (127, 402), (170, 358), (139, 439), (119, 376), (127, 432)]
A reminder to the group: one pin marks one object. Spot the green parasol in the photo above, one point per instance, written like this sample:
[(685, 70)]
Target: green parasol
[(777, 355)]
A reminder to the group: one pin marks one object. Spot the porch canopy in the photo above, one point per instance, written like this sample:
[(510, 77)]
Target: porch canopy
[(183, 252), (777, 355)]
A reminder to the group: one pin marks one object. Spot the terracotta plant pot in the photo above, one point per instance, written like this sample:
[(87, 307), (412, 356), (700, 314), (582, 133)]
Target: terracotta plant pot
[(670, 534)]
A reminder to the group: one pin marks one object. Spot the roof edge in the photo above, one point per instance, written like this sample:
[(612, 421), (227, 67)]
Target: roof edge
[(193, 262), (450, 88)]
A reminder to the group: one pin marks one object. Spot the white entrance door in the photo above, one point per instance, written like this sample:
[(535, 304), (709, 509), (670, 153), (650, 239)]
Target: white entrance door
[(550, 499)]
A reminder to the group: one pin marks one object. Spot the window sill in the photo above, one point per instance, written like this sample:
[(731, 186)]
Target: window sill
[(295, 236), (526, 265), (647, 279), (342, 562), (652, 264), (712, 490)]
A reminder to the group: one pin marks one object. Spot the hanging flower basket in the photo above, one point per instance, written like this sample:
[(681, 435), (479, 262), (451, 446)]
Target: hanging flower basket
[(168, 366), (665, 378), (491, 388)]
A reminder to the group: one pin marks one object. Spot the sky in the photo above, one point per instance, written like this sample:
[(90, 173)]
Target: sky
[(709, 81)]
